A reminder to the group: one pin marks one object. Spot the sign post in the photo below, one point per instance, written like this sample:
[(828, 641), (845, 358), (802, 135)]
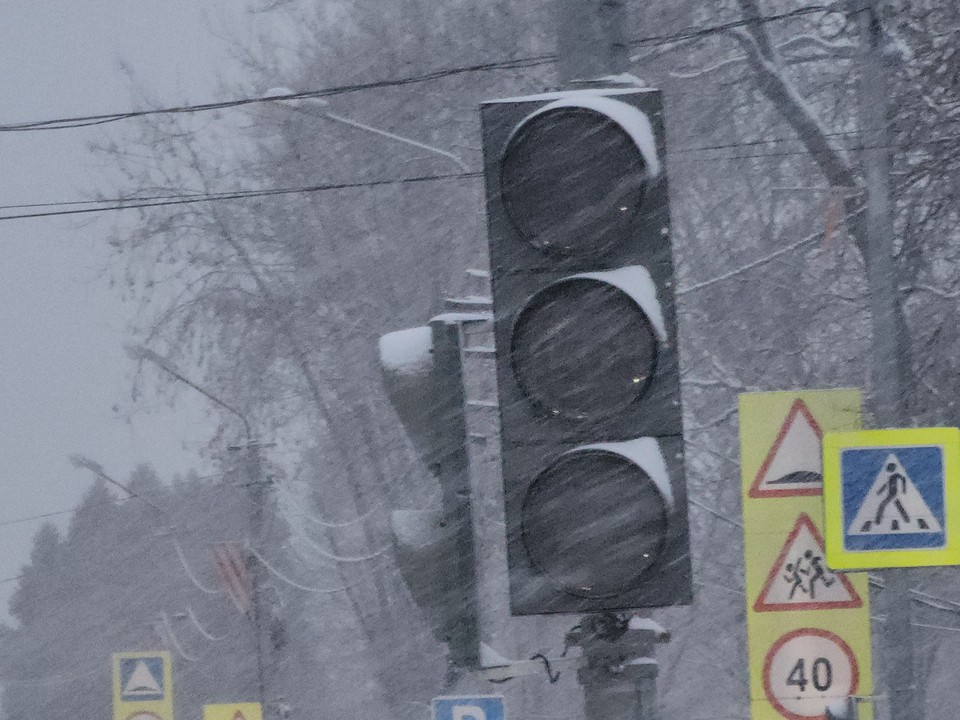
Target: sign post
[(808, 627)]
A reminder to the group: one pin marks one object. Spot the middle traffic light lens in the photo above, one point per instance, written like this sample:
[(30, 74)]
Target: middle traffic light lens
[(583, 349)]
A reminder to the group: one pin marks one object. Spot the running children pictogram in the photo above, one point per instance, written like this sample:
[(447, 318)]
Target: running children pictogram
[(800, 579)]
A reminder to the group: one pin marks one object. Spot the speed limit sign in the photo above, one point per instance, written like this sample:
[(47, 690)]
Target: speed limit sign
[(807, 669)]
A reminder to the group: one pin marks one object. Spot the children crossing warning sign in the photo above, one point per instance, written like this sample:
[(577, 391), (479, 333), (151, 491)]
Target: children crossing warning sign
[(888, 496), (808, 626), (799, 578)]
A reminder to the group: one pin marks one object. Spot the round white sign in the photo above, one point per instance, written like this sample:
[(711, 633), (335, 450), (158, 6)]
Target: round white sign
[(806, 670)]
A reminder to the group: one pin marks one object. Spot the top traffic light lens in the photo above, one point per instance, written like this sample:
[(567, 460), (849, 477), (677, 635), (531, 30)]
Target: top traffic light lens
[(571, 180)]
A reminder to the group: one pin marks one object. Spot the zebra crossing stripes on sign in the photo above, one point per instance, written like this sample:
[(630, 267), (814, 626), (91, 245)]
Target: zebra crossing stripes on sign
[(889, 497), (894, 504)]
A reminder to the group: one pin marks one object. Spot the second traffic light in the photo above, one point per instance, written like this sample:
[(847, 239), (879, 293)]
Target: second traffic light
[(587, 367)]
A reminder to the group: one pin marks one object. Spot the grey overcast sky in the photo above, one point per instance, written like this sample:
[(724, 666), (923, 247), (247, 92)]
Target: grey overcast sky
[(62, 365)]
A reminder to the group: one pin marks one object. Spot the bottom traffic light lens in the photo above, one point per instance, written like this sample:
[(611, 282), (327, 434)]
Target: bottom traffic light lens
[(594, 522)]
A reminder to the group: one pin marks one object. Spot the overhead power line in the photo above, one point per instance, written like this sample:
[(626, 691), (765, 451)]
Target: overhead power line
[(100, 119), (30, 518), (231, 195), (187, 198), (79, 121), (694, 33)]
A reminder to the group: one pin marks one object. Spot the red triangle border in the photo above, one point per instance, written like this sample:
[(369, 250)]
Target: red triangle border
[(855, 600), (756, 492)]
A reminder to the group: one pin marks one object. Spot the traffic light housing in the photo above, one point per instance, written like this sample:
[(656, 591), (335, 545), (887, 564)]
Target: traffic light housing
[(434, 547), (587, 367)]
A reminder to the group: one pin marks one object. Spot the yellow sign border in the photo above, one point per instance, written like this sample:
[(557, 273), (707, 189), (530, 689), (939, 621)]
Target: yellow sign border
[(948, 439)]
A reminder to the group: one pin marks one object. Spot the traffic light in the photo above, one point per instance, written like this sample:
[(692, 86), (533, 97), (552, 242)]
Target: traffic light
[(587, 367), (434, 547)]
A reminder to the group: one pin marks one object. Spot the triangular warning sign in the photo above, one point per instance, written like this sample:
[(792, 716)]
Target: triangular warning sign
[(794, 464), (893, 505), (799, 578), (142, 681), (239, 715)]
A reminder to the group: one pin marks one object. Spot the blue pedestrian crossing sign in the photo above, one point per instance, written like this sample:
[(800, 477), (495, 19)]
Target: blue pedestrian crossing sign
[(890, 498), (469, 707)]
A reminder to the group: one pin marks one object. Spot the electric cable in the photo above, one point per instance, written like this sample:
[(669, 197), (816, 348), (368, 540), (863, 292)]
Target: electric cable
[(288, 581), (509, 64), (241, 195)]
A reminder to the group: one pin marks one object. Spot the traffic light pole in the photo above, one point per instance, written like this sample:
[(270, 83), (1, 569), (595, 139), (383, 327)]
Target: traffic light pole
[(590, 39), (886, 370), (257, 490), (619, 674)]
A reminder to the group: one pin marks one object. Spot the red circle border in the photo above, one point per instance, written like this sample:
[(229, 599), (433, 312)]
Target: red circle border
[(816, 632)]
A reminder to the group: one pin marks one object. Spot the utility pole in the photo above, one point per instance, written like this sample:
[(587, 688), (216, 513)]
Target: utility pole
[(888, 396), (619, 675), (257, 490), (590, 39)]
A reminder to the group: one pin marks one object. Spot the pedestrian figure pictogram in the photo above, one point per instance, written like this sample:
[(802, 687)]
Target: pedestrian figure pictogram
[(891, 498), (893, 505)]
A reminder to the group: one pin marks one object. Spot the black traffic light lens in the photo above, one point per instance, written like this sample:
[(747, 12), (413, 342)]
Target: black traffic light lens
[(583, 349), (571, 179), (594, 523)]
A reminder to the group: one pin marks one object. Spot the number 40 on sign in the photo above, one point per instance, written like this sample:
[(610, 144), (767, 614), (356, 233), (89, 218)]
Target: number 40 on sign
[(806, 666)]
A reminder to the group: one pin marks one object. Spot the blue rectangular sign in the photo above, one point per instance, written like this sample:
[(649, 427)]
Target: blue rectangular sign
[(483, 707)]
